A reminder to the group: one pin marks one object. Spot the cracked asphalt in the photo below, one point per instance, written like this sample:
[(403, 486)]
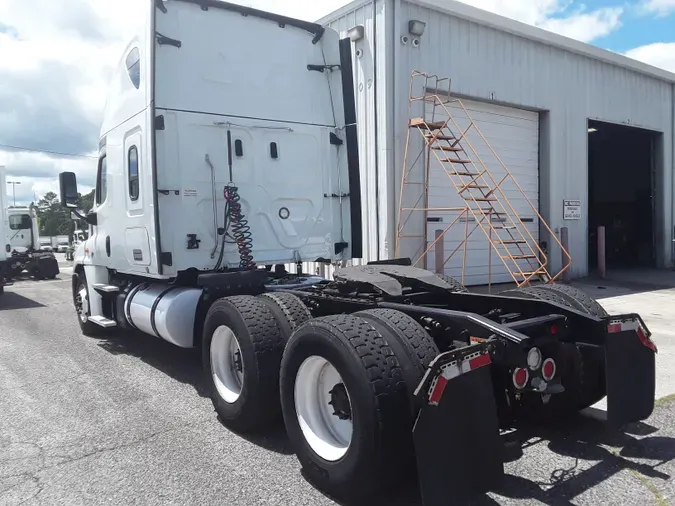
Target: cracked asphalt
[(123, 420)]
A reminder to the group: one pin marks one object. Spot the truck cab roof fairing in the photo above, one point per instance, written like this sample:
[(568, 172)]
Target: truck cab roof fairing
[(314, 28)]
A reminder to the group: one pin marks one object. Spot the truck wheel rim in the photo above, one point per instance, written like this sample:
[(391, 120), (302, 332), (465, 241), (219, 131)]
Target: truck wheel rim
[(227, 365), (322, 404), (82, 303)]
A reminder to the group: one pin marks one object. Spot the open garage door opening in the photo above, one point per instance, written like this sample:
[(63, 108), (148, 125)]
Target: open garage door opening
[(621, 166)]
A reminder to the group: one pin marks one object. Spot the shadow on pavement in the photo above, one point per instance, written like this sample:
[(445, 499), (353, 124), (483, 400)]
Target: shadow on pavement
[(178, 363), (185, 366), (598, 454), (12, 300)]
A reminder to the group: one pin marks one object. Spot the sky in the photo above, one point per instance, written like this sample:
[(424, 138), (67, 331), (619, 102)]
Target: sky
[(55, 66)]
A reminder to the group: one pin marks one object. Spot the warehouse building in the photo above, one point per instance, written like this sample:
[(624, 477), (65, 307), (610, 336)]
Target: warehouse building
[(587, 133)]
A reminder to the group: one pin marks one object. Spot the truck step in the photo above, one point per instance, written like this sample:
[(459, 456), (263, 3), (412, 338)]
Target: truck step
[(102, 287), (102, 321)]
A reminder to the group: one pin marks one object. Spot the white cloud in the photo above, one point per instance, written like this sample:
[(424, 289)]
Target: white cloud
[(660, 54), (586, 26), (659, 7)]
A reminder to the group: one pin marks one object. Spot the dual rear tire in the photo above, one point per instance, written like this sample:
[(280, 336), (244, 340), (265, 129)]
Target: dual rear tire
[(343, 385)]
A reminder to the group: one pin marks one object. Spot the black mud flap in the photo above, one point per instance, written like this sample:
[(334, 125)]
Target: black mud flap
[(457, 442), (630, 358), (47, 267)]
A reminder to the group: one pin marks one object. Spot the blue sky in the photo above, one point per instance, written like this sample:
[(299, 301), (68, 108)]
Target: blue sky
[(638, 27)]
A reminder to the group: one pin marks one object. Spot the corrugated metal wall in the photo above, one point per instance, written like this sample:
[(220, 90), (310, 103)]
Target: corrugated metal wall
[(491, 65)]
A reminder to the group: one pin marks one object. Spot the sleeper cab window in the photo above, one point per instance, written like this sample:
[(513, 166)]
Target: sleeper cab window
[(133, 173), (134, 67), (102, 181)]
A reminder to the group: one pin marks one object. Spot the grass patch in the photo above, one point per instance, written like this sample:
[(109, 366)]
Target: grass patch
[(668, 399)]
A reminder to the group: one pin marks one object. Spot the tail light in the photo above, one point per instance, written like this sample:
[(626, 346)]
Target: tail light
[(520, 378), (534, 358), (548, 370)]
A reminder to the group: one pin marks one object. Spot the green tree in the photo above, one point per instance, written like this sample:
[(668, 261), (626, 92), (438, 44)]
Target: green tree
[(57, 220), (86, 202)]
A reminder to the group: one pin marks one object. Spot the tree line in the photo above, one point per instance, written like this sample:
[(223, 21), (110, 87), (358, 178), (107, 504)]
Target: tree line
[(57, 220)]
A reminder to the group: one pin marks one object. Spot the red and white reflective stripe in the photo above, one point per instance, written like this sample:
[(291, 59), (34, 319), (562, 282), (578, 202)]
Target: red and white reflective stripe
[(453, 370), (617, 326)]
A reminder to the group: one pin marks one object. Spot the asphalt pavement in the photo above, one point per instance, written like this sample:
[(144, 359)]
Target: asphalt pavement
[(123, 420)]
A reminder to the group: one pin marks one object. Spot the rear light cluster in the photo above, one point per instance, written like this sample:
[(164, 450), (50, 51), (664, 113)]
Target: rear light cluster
[(535, 362)]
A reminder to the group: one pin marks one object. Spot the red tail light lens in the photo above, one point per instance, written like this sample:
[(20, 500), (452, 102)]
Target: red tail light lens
[(520, 378), (548, 369)]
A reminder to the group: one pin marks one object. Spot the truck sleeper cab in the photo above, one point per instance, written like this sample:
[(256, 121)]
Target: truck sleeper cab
[(216, 168)]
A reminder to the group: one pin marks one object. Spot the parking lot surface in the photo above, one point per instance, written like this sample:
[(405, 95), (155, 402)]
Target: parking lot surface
[(123, 420)]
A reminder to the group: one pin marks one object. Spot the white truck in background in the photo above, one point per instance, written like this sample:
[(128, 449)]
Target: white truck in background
[(46, 244), (60, 243), (228, 149), (25, 255)]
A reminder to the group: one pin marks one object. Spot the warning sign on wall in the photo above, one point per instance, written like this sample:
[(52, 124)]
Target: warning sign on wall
[(571, 209)]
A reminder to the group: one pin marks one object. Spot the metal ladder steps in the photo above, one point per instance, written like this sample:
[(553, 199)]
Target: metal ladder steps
[(463, 187), (481, 199), (447, 148), (511, 241), (434, 137), (421, 123), (522, 257), (539, 272), (458, 160), (460, 173)]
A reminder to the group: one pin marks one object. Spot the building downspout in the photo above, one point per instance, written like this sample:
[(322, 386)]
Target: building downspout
[(376, 133), (672, 167), (396, 178)]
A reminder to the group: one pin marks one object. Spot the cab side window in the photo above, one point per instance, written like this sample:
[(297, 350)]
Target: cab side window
[(134, 67), (132, 162), (102, 181)]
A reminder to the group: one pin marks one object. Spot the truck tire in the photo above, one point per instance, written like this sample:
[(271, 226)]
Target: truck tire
[(455, 284), (413, 346), (288, 310), (81, 303), (242, 348), (580, 299), (345, 407)]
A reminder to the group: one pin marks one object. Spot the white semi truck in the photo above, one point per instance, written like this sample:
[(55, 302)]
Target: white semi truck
[(26, 257), (229, 148)]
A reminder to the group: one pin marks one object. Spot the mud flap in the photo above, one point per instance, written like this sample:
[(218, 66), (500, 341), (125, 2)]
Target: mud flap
[(456, 435), (46, 267), (630, 370)]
